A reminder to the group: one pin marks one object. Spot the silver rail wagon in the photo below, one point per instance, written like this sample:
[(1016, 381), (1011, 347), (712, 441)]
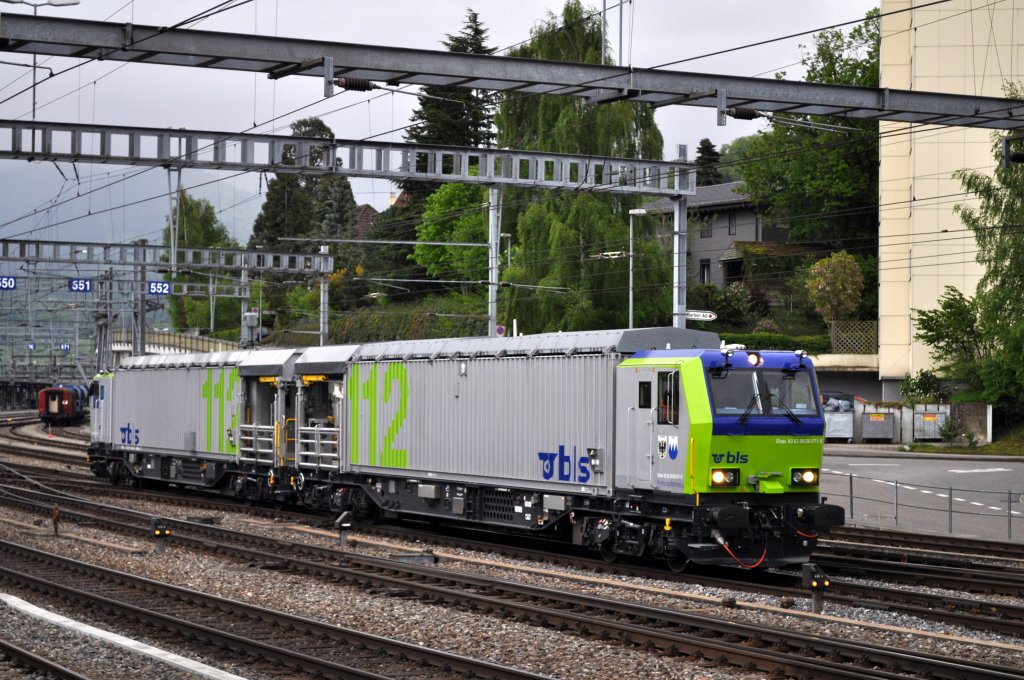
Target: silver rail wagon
[(427, 421), (188, 418)]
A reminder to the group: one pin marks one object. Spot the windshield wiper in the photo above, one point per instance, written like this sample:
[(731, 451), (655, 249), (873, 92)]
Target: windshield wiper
[(750, 407), (792, 416)]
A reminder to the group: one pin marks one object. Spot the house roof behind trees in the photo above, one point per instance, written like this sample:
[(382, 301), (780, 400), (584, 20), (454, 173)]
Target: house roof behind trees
[(708, 198)]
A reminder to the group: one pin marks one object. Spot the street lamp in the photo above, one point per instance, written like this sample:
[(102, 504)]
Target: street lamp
[(634, 211), (35, 12)]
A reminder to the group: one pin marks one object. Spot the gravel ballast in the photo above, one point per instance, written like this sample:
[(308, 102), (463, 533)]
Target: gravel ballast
[(524, 646)]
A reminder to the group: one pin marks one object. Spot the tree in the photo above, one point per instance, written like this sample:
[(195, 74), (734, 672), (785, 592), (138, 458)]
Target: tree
[(447, 116), (455, 212), (954, 333), (730, 156), (707, 164), (315, 207), (834, 285), (980, 341), (292, 208), (823, 182), (454, 116), (199, 227), (560, 282)]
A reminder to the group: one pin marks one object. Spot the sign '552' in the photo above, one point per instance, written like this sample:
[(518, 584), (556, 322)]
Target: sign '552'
[(158, 288)]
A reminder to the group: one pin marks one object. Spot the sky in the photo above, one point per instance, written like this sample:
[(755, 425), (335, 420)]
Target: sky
[(654, 32)]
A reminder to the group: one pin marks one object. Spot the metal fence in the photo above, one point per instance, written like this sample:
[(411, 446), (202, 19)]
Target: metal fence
[(930, 509), (854, 337)]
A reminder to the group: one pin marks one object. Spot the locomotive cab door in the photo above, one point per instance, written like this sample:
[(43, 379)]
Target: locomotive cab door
[(53, 403), (101, 421), (652, 404)]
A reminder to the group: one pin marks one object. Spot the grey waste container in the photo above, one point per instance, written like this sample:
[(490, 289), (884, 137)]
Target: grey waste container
[(877, 426)]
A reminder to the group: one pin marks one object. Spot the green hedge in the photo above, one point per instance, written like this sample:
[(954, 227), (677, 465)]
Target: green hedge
[(814, 344), (437, 316)]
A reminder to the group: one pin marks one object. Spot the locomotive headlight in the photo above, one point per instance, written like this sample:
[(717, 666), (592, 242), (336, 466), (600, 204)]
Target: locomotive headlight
[(725, 477), (804, 476), (754, 359)]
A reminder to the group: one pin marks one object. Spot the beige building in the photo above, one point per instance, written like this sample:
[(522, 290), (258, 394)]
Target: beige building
[(960, 47)]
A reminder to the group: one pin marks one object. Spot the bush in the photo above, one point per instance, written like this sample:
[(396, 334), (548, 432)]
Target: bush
[(951, 429), (766, 326), (814, 344), (733, 304), (925, 388)]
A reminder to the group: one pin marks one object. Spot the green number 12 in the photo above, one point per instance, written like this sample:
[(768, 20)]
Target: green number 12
[(370, 392)]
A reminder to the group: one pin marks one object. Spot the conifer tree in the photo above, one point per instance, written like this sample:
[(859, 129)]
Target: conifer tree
[(707, 162), (454, 116), (317, 207), (560, 236)]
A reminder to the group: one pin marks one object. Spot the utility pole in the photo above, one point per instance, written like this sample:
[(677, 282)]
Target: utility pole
[(324, 250), (139, 317), (493, 242)]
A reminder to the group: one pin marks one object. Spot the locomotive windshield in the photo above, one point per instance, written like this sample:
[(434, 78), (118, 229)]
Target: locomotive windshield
[(762, 392)]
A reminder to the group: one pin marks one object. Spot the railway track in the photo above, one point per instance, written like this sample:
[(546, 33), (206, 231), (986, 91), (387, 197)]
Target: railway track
[(993, 616), (911, 547), (974, 578), (18, 662), (701, 638), (15, 441), (235, 632), (851, 551)]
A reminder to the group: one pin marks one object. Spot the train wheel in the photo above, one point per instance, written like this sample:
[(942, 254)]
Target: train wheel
[(677, 565), (114, 473), (606, 552)]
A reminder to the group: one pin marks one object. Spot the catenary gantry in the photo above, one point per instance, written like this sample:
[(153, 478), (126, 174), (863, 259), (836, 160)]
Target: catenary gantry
[(279, 57)]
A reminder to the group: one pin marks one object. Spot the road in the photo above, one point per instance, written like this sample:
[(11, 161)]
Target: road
[(936, 493)]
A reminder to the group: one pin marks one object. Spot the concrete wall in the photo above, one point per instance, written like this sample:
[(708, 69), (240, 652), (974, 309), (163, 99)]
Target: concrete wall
[(961, 47)]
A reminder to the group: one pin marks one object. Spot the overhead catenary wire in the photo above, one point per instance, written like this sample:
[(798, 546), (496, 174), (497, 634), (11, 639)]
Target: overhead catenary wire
[(228, 5), (225, 3)]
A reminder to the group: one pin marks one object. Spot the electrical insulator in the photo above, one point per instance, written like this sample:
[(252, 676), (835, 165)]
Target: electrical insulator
[(355, 84), (744, 113)]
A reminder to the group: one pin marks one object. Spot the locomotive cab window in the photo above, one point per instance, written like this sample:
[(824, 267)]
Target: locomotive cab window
[(644, 394), (668, 397), (762, 392), (791, 391)]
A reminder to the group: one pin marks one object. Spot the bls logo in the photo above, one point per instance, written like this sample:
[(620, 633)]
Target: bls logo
[(567, 468), (729, 457), (129, 435)]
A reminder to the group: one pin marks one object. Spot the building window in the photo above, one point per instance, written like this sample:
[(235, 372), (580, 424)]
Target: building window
[(732, 224), (705, 229), (705, 271)]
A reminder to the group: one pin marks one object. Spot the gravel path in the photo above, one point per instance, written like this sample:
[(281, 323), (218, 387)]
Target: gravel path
[(536, 649)]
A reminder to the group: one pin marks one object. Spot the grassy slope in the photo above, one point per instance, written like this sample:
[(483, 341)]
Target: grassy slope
[(1008, 443)]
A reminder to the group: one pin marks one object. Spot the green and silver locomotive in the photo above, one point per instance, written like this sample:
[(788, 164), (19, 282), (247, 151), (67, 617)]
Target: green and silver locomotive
[(638, 442)]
